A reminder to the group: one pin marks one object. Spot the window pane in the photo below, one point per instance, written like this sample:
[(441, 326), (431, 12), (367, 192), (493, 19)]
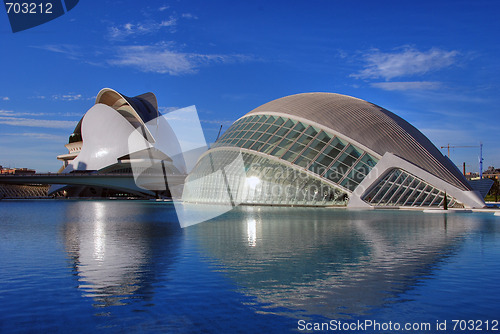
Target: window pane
[(338, 143), (279, 121), (290, 156), (299, 127), (349, 184), (289, 124), (324, 137), (347, 159), (317, 145), (308, 155), (311, 131), (369, 160), (337, 171), (332, 152), (324, 159), (354, 151)]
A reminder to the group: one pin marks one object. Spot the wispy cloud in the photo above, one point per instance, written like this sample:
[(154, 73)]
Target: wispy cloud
[(68, 97), (163, 58), (10, 113), (70, 50), (457, 136), (39, 123), (139, 28), (71, 114), (41, 136), (4, 98), (407, 62), (63, 97), (408, 85)]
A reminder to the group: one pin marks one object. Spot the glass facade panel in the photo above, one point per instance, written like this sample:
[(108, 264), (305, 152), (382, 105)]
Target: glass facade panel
[(400, 188), (349, 184), (302, 145), (347, 160), (279, 121), (289, 123), (324, 137), (317, 144), (217, 179)]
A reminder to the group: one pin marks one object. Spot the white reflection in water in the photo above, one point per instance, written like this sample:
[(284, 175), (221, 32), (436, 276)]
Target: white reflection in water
[(108, 252), (252, 232), (99, 232)]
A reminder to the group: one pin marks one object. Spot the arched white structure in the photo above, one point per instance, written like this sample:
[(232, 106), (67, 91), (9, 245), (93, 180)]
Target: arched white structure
[(115, 130)]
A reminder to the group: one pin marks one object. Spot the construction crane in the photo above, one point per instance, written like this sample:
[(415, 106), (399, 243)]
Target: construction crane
[(480, 156)]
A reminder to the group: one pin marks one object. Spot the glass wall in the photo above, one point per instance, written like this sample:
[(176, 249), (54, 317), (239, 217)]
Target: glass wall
[(231, 177), (399, 188), (303, 145)]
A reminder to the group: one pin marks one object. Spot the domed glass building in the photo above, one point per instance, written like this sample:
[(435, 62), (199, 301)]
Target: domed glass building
[(325, 149)]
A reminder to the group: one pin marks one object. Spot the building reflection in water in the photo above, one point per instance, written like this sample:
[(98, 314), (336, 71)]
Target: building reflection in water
[(329, 262), (114, 248)]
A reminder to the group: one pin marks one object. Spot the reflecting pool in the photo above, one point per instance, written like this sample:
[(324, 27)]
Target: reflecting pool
[(115, 266)]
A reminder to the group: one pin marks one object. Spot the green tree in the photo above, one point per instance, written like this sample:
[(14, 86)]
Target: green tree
[(494, 191)]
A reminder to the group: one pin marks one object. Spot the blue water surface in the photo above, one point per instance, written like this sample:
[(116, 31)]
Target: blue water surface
[(127, 266)]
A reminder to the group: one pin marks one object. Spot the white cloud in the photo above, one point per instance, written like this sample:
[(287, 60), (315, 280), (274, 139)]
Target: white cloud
[(403, 63), (5, 98), (162, 58), (166, 110), (408, 85), (189, 16), (71, 114), (141, 28), (40, 123), (162, 8), (218, 122)]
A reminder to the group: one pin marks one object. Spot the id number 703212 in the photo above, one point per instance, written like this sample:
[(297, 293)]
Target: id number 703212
[(29, 7)]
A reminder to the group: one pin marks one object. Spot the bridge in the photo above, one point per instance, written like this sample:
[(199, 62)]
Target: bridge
[(123, 182)]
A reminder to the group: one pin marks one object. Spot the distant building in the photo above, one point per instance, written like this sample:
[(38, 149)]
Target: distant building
[(492, 173), (16, 171)]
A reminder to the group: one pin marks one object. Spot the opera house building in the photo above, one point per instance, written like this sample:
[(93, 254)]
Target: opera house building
[(312, 149), (324, 149), (115, 135)]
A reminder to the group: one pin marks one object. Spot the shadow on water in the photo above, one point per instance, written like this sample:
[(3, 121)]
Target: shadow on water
[(118, 249), (329, 262)]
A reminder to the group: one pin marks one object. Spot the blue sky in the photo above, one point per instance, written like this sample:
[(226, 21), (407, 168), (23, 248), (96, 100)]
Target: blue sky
[(434, 63)]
